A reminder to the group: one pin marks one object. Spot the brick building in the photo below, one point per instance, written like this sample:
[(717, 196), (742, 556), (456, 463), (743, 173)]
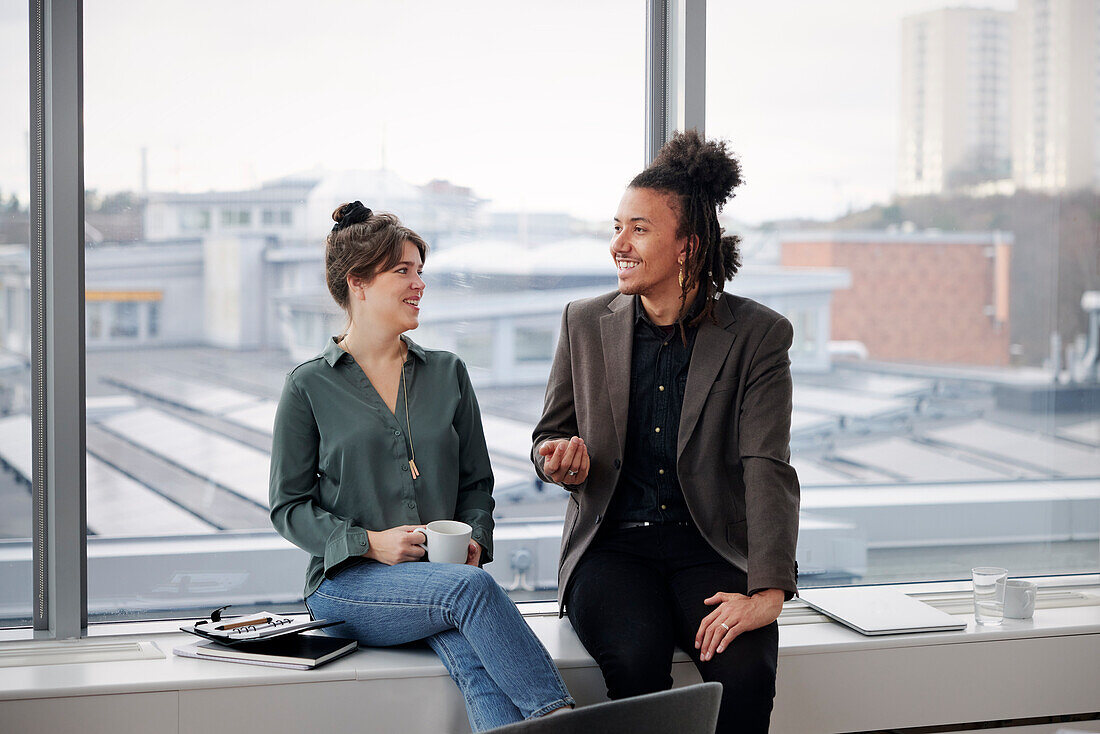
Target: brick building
[(916, 297)]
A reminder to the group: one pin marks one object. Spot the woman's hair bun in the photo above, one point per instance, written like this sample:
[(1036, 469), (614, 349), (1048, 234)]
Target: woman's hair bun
[(346, 215), (697, 162)]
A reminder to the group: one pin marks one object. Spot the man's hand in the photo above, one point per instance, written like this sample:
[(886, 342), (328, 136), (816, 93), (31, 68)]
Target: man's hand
[(396, 545), (566, 460), (473, 554), (734, 614)]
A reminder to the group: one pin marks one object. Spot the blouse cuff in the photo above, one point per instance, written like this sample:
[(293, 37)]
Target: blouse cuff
[(484, 538), (346, 542)]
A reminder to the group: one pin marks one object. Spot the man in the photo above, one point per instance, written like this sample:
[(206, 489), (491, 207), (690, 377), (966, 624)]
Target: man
[(667, 418)]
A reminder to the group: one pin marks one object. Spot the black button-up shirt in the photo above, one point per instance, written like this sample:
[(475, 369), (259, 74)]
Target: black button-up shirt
[(648, 488)]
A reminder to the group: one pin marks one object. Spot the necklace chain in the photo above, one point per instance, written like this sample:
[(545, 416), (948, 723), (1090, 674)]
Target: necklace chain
[(408, 426)]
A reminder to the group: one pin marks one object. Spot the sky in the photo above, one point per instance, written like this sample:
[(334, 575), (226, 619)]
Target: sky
[(536, 106)]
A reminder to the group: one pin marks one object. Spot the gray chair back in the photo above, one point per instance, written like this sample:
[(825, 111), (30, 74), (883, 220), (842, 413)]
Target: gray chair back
[(689, 710)]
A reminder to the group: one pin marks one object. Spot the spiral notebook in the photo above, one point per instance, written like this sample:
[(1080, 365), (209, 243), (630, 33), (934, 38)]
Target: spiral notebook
[(250, 627)]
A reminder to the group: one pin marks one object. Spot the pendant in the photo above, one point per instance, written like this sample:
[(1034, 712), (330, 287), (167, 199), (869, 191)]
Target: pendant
[(412, 469)]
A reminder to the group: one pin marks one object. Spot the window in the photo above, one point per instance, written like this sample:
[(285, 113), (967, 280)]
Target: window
[(921, 448), (181, 385), (153, 320), (16, 585), (534, 345), (195, 219), (198, 368), (125, 323), (476, 349), (94, 316)]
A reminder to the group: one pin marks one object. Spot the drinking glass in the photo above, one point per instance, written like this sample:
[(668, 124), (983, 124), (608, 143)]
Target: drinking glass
[(989, 594)]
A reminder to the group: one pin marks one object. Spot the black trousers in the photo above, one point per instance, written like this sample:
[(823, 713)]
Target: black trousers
[(638, 593)]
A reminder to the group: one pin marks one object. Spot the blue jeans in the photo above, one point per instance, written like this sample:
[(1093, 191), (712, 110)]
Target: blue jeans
[(503, 671)]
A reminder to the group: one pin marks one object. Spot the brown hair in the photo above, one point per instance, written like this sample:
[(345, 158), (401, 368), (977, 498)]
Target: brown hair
[(364, 247), (700, 175)]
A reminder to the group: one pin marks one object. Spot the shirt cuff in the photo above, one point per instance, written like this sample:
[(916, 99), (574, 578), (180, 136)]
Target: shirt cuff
[(484, 537), (346, 542)]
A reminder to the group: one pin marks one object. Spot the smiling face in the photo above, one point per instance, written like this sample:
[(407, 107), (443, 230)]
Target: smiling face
[(391, 297), (645, 245)]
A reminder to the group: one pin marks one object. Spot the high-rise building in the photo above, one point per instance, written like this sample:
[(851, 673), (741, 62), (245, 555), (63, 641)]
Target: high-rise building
[(1056, 104), (955, 110)]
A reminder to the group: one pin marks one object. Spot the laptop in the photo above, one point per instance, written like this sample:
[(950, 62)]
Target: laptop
[(875, 610)]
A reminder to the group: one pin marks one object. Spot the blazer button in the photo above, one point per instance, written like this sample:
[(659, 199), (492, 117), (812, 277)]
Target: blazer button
[(618, 463)]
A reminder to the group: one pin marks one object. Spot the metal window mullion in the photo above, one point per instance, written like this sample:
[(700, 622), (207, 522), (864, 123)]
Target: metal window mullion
[(676, 59), (658, 14), (692, 53), (58, 365)]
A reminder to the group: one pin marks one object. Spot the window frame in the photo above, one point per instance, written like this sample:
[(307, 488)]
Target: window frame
[(675, 61), (675, 72)]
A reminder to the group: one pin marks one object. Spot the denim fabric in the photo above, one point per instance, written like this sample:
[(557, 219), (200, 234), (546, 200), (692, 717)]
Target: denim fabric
[(503, 671)]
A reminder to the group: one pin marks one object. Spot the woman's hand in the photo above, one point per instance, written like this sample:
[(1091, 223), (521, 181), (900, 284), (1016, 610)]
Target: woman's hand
[(566, 460), (735, 613), (396, 545), (473, 554)]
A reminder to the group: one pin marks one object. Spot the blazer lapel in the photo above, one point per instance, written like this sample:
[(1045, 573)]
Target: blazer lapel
[(712, 345), (617, 332)]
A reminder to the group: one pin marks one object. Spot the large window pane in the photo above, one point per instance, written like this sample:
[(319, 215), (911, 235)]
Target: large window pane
[(219, 138), (15, 319), (921, 202)]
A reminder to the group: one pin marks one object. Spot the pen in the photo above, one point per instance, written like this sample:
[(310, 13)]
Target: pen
[(235, 625)]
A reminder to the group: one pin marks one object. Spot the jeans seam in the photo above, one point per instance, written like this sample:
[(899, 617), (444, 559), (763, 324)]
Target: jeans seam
[(552, 706), (453, 666), (381, 602)]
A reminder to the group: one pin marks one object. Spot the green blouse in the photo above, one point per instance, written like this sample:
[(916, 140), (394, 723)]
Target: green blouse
[(340, 458)]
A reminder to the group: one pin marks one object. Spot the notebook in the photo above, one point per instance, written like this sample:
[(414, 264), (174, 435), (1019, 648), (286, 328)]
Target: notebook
[(234, 631), (300, 651), (875, 610)]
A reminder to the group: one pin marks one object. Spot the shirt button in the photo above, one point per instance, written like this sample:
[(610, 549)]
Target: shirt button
[(657, 429), (661, 388), (664, 507), (397, 433), (661, 471), (404, 467), (411, 505)]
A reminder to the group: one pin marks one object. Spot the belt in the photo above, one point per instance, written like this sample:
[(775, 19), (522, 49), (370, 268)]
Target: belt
[(646, 524)]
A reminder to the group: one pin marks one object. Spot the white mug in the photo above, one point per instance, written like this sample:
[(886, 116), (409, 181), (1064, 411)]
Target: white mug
[(448, 541), (1020, 598)]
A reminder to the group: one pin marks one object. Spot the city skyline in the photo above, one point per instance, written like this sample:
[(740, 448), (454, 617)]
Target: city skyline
[(270, 89)]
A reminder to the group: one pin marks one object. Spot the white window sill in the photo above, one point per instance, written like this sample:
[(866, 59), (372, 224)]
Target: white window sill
[(1067, 606)]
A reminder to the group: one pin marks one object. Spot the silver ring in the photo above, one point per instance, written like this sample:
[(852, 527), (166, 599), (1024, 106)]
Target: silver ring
[(571, 473), (724, 626)]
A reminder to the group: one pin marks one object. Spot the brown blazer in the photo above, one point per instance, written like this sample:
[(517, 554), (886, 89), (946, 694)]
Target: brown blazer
[(733, 449)]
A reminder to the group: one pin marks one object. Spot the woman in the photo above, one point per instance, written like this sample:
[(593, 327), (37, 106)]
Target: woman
[(375, 437)]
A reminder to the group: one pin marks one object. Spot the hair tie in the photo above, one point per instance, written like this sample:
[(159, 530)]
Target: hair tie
[(354, 213)]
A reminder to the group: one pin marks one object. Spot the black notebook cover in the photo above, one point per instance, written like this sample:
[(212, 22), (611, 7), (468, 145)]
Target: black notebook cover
[(305, 650)]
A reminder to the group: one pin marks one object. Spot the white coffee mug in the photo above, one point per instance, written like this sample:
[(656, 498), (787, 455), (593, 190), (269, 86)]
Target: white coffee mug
[(1020, 598), (448, 541)]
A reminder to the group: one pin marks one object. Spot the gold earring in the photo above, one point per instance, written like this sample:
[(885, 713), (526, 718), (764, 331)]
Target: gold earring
[(681, 275)]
